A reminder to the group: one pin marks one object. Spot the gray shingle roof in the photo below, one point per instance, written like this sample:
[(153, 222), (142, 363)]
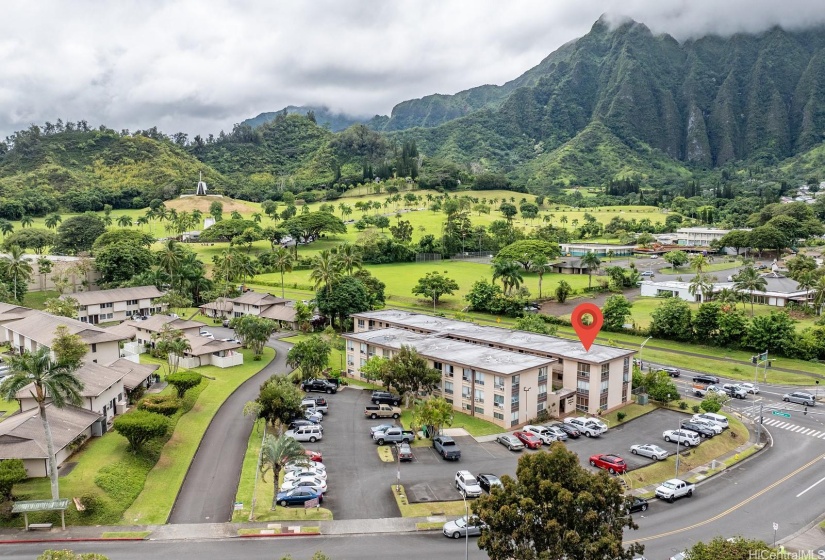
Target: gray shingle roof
[(22, 437), (135, 373), (116, 294), (40, 327), (258, 298), (96, 378)]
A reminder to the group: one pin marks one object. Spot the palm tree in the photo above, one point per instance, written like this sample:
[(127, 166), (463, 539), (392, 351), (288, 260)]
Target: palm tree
[(592, 261), (726, 295), (26, 221), (540, 265), (350, 257), (17, 268), (699, 263), (235, 215), (510, 274), (124, 220), (142, 221), (197, 216), (6, 227), (177, 347), (53, 220), (277, 452), (818, 293), (749, 280), (700, 285), (283, 262), (169, 258), (44, 266), (256, 217), (50, 380), (326, 269)]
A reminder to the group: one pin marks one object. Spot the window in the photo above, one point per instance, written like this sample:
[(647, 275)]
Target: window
[(350, 360), (479, 409), (128, 312), (498, 383), (514, 418), (542, 374), (582, 403), (448, 387), (450, 370), (363, 348), (131, 302), (350, 346), (498, 416), (466, 374), (465, 392), (449, 401), (603, 401), (363, 362), (466, 406), (583, 370), (498, 401), (479, 377), (605, 371), (583, 387), (605, 386), (94, 347), (542, 390), (479, 395), (626, 368), (360, 323), (106, 305), (371, 324), (516, 380), (540, 406), (385, 353), (438, 366)]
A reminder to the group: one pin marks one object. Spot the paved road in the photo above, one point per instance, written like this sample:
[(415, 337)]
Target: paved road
[(209, 489)]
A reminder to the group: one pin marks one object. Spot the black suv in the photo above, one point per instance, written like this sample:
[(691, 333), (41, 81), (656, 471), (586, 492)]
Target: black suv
[(319, 386), (299, 422), (709, 379), (703, 431), (385, 397), (672, 371)]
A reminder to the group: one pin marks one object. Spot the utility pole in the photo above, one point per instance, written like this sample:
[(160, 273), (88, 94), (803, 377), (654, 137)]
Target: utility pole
[(759, 425)]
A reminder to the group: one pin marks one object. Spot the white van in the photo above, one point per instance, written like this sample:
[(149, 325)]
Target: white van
[(713, 417), (306, 433)]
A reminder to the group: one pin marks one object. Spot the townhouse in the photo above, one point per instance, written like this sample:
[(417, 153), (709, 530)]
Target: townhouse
[(258, 304), (118, 304), (528, 372)]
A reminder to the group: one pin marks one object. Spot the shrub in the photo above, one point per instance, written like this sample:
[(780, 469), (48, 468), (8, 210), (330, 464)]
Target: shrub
[(91, 503), (182, 381), (160, 404), (12, 471), (621, 416), (140, 426), (683, 405), (695, 408)]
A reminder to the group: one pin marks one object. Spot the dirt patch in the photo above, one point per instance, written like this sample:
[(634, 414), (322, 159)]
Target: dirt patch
[(202, 203)]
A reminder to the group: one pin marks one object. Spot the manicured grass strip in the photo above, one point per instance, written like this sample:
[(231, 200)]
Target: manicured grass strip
[(8, 407), (126, 534), (474, 426), (425, 509), (631, 411), (37, 300), (385, 454), (153, 505), (264, 492), (428, 526), (262, 532)]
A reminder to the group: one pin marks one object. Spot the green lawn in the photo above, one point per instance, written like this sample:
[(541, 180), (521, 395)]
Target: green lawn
[(37, 300), (688, 273), (425, 509), (474, 426), (265, 490), (154, 503), (8, 407)]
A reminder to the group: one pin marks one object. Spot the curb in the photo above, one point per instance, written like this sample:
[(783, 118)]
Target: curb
[(69, 539), (279, 535)]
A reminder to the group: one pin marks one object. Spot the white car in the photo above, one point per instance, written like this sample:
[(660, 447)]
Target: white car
[(305, 433), (590, 427), (313, 483), (305, 473), (683, 437), (467, 484), (309, 465), (546, 436), (750, 388), (709, 424), (649, 450), (207, 334)]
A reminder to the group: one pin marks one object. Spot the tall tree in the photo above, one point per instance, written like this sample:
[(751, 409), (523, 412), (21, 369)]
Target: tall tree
[(51, 381), (311, 355), (17, 271), (540, 265), (254, 332), (350, 257), (510, 274), (409, 373), (434, 285), (555, 508), (749, 280), (592, 261), (282, 259), (275, 453)]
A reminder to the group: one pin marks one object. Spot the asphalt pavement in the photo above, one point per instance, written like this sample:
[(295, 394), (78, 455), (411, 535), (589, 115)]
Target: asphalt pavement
[(208, 491)]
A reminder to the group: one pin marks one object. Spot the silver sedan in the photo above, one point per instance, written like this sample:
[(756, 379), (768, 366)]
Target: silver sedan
[(649, 450), (510, 441)]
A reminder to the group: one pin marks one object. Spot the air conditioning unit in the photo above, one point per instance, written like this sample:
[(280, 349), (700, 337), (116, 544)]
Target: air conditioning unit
[(479, 400), (498, 405)]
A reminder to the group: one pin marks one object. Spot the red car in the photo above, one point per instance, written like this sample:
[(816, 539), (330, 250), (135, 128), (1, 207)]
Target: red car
[(611, 463), (314, 456), (529, 439)]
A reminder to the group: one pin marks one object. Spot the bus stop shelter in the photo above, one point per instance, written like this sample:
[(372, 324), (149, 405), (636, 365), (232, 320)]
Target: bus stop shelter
[(30, 506)]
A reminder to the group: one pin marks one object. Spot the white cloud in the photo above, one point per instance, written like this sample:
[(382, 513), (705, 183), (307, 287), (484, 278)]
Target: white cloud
[(200, 66)]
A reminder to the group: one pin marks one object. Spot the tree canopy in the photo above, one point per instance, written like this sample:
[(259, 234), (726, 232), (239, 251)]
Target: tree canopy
[(527, 251)]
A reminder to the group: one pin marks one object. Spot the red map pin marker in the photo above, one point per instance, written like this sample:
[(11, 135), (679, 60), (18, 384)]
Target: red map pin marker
[(587, 333)]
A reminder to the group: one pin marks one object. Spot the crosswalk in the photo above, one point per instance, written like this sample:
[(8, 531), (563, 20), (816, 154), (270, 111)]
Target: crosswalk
[(795, 428)]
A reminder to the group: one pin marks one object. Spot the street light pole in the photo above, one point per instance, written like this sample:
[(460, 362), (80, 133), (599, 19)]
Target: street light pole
[(525, 403), (679, 429), (641, 347), (466, 527)]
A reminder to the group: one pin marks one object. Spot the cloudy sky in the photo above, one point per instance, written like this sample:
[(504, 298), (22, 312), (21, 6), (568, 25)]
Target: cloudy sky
[(199, 66)]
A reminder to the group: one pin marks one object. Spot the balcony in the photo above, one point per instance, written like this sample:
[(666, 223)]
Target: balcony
[(584, 392), (583, 375), (479, 382), (542, 378)]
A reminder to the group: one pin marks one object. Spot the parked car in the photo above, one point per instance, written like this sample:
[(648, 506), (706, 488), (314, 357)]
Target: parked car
[(447, 448), (314, 456), (319, 386), (544, 434), (711, 425), (588, 426), (735, 391), (313, 415), (306, 433), (308, 472), (674, 489), (321, 407), (380, 428), (672, 371), (487, 481), (799, 397), (511, 442), (649, 450), (298, 496), (461, 527), (467, 484), (638, 504), (374, 411), (296, 423), (405, 452), (646, 274), (557, 430), (707, 379), (701, 429), (609, 462), (529, 439), (385, 397), (313, 483), (713, 417), (750, 388), (683, 437), (298, 466), (207, 334), (569, 429)]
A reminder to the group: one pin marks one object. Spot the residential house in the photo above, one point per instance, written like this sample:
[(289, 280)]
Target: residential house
[(254, 303), (10, 312), (779, 292), (38, 329), (565, 378), (117, 304), (206, 351), (257, 304)]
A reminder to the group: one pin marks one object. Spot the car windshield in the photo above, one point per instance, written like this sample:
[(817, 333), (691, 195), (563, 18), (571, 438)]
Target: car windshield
[(461, 522), (470, 481), (668, 484)]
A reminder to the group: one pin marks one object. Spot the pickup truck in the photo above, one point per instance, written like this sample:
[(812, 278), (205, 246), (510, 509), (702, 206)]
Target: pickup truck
[(701, 390), (673, 489), (318, 404), (393, 435), (381, 411), (447, 448)]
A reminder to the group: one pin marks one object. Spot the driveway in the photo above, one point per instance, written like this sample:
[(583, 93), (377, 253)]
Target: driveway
[(209, 489)]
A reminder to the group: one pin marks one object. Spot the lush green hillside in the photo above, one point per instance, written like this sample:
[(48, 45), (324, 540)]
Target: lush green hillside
[(325, 118)]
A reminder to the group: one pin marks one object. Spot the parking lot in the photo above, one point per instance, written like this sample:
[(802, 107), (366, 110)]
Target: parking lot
[(359, 482)]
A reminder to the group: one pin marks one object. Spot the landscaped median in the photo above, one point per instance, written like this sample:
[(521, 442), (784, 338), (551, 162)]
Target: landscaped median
[(424, 509), (264, 491)]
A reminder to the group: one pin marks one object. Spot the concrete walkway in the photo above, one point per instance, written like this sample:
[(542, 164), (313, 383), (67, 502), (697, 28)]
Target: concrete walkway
[(209, 489)]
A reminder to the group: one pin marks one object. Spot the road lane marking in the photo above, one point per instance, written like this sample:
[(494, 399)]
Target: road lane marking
[(811, 486), (731, 509)]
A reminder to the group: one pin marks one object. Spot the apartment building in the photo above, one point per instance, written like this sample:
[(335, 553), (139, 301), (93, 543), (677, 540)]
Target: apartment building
[(566, 378), (254, 303), (118, 304), (701, 237)]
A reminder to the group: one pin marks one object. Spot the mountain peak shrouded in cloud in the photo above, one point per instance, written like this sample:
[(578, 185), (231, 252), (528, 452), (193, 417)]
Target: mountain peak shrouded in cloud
[(202, 66)]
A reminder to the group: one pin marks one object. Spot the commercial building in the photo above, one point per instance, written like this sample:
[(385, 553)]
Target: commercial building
[(700, 237), (779, 290), (502, 375)]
